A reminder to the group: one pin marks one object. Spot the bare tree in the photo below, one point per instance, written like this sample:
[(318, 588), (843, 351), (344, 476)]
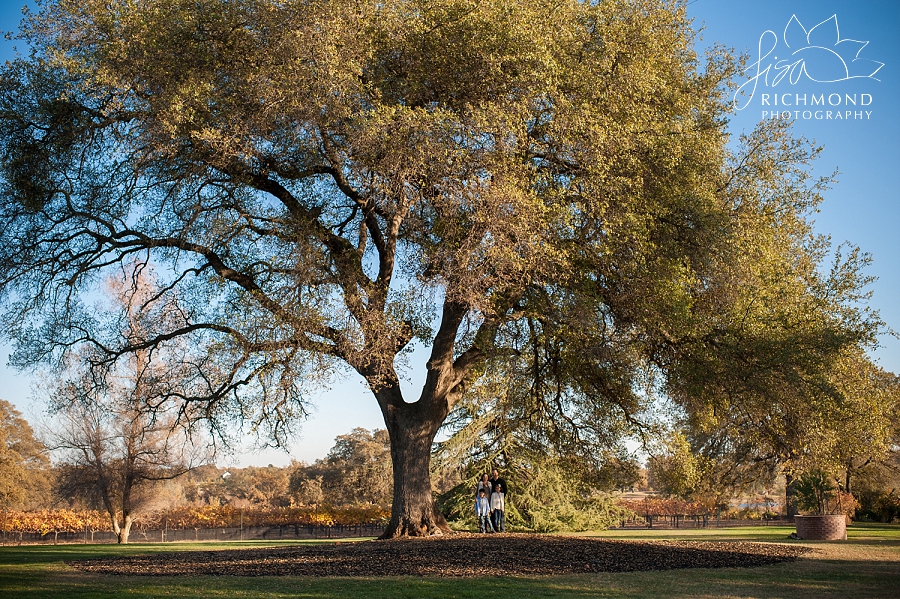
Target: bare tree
[(117, 454), (117, 443)]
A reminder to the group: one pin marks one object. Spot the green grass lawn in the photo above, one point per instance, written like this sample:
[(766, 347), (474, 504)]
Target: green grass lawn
[(866, 565)]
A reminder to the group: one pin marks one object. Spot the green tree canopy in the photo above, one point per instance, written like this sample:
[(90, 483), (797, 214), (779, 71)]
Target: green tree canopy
[(24, 465), (327, 182), (357, 470)]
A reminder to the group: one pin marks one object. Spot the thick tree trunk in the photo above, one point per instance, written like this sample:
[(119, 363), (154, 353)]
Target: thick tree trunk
[(125, 531), (412, 428), (790, 496), (113, 519)]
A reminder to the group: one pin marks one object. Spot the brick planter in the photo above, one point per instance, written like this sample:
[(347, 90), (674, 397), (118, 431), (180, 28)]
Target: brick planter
[(822, 528)]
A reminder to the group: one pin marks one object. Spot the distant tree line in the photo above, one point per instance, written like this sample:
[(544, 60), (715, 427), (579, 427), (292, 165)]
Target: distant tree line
[(355, 472), (547, 492)]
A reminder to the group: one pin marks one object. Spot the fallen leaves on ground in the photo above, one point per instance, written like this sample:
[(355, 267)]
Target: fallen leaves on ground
[(460, 555)]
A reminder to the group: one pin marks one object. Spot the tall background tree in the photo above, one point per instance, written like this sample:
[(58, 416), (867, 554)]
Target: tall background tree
[(25, 475), (357, 470), (323, 183)]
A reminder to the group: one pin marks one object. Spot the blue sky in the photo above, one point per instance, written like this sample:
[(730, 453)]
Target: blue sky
[(863, 208)]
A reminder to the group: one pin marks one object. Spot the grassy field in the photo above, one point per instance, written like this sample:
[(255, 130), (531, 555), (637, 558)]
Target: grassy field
[(866, 565)]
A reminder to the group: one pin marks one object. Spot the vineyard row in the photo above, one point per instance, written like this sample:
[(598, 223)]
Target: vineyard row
[(49, 521)]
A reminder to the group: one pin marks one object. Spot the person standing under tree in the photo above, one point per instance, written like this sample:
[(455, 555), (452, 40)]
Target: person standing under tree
[(496, 479), (484, 484), (498, 508), (483, 510)]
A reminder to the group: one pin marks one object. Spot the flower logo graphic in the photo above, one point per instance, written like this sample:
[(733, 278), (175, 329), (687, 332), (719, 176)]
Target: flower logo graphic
[(818, 53), (822, 51)]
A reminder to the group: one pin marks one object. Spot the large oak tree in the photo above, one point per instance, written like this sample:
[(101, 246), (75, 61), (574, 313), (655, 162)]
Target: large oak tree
[(328, 182)]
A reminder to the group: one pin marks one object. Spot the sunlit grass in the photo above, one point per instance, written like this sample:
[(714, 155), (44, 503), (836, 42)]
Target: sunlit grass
[(867, 565)]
